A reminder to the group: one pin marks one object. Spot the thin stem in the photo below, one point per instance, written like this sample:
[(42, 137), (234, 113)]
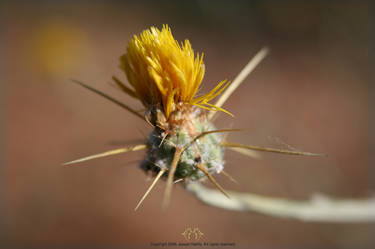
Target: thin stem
[(319, 208)]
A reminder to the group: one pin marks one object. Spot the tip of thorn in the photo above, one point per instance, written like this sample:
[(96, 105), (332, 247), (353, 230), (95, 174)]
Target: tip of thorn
[(318, 154), (68, 163)]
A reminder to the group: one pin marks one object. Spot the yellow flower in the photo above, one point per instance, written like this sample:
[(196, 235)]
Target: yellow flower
[(165, 76), (164, 73)]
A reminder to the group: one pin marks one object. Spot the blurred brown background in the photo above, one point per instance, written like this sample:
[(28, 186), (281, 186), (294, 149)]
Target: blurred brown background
[(311, 92)]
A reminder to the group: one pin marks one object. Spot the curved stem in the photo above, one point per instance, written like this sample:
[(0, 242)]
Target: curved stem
[(319, 208)]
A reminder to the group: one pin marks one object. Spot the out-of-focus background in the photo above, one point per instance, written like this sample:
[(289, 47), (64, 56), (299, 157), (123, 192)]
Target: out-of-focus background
[(311, 93)]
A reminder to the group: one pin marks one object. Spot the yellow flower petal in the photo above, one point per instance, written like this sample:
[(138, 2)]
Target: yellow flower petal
[(164, 73)]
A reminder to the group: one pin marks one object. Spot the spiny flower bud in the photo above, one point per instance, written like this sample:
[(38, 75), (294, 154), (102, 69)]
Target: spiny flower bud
[(203, 151), (165, 76)]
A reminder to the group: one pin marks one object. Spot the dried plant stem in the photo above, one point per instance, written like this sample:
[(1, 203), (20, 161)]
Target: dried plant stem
[(319, 208), (108, 153), (240, 78)]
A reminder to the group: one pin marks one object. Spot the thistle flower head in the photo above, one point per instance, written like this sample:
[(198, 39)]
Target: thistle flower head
[(164, 73), (184, 144)]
